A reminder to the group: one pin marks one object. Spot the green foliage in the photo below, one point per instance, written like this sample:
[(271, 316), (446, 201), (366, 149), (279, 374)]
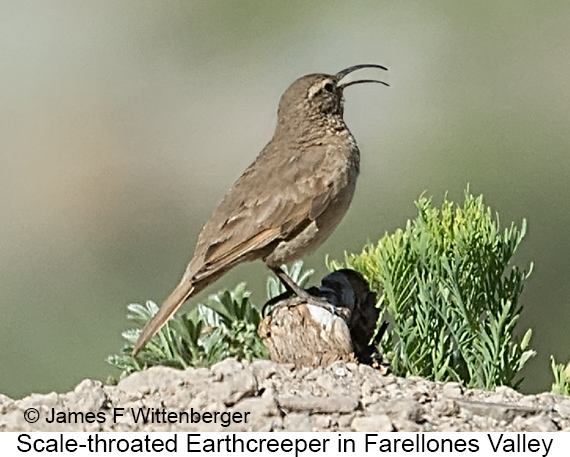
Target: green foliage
[(445, 285), (561, 384), (224, 326)]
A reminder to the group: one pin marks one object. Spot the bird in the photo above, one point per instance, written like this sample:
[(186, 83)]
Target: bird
[(288, 201)]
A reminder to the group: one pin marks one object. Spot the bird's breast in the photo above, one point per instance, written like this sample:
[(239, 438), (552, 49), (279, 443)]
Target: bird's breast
[(334, 181)]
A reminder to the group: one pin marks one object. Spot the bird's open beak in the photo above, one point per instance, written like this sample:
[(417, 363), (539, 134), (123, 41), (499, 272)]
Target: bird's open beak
[(341, 74)]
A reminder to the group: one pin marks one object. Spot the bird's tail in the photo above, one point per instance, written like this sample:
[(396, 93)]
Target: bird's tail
[(178, 296)]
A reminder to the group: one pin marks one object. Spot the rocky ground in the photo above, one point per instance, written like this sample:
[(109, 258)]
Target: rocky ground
[(266, 396)]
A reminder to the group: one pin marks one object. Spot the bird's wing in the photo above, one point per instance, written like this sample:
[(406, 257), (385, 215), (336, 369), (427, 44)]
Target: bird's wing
[(259, 210)]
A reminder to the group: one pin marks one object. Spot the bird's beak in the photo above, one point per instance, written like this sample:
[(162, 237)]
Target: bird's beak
[(341, 74)]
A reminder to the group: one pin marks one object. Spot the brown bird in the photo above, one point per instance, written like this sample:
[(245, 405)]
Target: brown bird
[(288, 201)]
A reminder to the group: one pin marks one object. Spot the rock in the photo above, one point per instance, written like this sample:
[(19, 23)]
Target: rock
[(155, 378), (342, 397), (88, 396), (406, 409), (379, 423), (446, 408), (322, 422), (563, 408), (327, 405), (297, 422), (452, 389), (504, 412), (541, 423), (227, 367)]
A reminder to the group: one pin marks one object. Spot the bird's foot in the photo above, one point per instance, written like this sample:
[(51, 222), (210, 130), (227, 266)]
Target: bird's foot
[(282, 301), (305, 296)]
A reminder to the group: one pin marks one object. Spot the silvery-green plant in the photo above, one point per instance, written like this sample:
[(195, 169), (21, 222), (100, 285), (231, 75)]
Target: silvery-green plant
[(224, 326)]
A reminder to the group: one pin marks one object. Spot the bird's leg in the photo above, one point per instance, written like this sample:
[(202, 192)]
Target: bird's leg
[(304, 295), (290, 284)]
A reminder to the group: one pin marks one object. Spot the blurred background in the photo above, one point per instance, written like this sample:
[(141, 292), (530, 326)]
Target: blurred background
[(122, 125)]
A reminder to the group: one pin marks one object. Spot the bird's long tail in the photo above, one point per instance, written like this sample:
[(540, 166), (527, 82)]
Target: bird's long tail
[(178, 296)]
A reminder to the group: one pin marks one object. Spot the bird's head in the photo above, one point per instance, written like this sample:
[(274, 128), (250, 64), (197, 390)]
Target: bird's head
[(318, 96)]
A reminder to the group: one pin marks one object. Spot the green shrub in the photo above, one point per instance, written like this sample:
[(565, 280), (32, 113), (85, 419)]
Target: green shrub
[(446, 286), (561, 384)]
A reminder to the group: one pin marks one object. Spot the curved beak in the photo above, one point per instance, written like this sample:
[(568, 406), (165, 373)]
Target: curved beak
[(341, 74)]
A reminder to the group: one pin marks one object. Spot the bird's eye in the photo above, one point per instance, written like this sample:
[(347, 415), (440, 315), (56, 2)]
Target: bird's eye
[(328, 87)]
